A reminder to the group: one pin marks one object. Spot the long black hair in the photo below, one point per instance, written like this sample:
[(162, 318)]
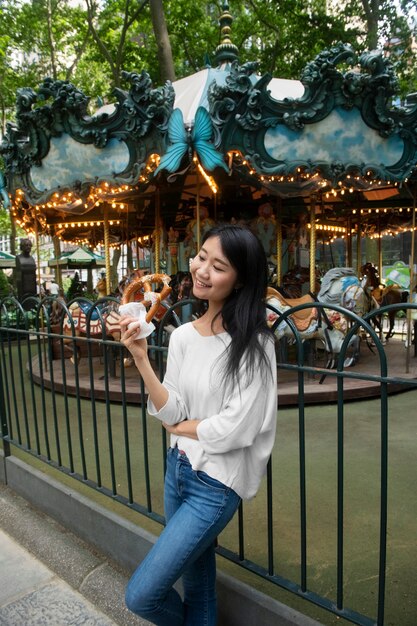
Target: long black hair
[(243, 312)]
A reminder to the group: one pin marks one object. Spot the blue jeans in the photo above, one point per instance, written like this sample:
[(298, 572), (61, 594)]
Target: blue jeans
[(197, 508)]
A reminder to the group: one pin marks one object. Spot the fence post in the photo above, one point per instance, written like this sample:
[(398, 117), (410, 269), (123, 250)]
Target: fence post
[(3, 417)]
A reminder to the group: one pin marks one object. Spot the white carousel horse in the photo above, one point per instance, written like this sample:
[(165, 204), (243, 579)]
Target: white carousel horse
[(339, 287)]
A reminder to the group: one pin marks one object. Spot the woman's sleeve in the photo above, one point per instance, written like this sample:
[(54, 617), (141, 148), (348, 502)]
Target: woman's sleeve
[(248, 412), (174, 410)]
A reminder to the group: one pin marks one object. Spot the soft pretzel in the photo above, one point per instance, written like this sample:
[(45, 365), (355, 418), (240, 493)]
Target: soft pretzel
[(152, 297)]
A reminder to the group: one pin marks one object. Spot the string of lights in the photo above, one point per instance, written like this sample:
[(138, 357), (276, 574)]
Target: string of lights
[(33, 218)]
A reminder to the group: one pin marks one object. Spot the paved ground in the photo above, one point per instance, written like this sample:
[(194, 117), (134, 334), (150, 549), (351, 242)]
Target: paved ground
[(49, 577)]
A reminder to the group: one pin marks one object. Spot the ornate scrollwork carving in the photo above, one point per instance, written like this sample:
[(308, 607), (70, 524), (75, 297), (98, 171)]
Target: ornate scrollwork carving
[(139, 118), (224, 99), (323, 67), (144, 106), (244, 116)]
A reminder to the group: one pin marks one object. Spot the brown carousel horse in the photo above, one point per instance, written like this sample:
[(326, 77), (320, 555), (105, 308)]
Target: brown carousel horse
[(95, 320), (383, 296), (294, 279)]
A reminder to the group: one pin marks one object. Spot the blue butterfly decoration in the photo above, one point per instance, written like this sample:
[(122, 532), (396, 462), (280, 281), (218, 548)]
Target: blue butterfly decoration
[(183, 141), (3, 193)]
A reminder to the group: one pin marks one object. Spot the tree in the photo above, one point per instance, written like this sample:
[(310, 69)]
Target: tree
[(9, 229), (390, 25), (5, 286), (7, 77), (75, 289), (166, 62), (110, 24), (287, 39), (90, 44)]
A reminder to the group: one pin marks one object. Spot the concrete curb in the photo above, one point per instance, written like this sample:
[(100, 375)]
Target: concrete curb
[(126, 544)]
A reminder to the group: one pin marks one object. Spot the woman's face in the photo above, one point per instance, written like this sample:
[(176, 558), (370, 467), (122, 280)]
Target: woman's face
[(214, 278)]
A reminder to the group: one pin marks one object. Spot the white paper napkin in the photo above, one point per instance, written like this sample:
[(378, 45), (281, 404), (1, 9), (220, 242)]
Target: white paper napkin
[(138, 310)]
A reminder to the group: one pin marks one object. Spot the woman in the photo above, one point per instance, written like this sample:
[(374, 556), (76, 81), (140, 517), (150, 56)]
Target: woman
[(218, 401)]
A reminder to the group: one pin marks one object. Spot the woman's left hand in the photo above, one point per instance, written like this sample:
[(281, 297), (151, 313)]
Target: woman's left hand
[(170, 428), (187, 428)]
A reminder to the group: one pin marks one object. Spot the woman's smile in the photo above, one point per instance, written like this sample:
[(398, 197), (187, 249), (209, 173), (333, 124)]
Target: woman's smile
[(199, 283)]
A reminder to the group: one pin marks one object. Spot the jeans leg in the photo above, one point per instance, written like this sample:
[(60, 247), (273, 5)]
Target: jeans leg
[(136, 592), (199, 581), (189, 534)]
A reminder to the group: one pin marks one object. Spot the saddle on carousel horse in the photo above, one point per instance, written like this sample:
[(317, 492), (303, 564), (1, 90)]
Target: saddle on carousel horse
[(303, 318), (79, 312)]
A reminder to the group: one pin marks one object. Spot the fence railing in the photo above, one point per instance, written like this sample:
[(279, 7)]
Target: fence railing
[(69, 399)]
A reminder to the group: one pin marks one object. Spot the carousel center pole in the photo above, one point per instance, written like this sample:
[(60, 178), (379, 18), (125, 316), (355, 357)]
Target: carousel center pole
[(57, 253), (379, 248), (38, 259), (358, 247), (279, 243), (137, 253), (107, 250), (313, 244), (349, 242)]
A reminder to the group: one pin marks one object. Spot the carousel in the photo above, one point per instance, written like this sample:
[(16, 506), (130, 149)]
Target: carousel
[(315, 167)]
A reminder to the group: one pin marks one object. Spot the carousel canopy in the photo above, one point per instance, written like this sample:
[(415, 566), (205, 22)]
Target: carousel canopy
[(193, 91), (334, 134), (7, 260), (81, 257)]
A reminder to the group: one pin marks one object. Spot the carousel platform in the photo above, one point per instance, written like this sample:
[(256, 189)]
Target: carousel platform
[(316, 390)]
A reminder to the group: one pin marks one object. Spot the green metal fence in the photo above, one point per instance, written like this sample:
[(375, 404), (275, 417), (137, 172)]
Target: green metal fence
[(69, 400)]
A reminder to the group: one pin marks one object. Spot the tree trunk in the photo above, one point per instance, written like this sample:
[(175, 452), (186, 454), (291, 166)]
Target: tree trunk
[(49, 21), (114, 279), (166, 62), (371, 9), (129, 255)]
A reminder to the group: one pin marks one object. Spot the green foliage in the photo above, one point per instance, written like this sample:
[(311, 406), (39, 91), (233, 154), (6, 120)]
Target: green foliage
[(4, 285), (90, 295), (287, 39), (16, 319), (75, 289), (66, 283), (90, 43), (6, 226)]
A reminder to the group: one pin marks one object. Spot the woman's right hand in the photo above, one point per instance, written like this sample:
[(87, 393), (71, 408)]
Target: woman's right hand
[(138, 348)]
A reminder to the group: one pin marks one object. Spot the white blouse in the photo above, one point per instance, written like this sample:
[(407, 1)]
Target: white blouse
[(237, 426)]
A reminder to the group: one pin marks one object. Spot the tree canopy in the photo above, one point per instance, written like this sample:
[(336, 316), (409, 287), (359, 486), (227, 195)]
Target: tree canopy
[(91, 42)]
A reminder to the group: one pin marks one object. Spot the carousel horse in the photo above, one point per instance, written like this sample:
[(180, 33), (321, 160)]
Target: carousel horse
[(370, 275), (342, 287), (389, 295), (383, 296), (293, 281), (103, 320), (339, 287)]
